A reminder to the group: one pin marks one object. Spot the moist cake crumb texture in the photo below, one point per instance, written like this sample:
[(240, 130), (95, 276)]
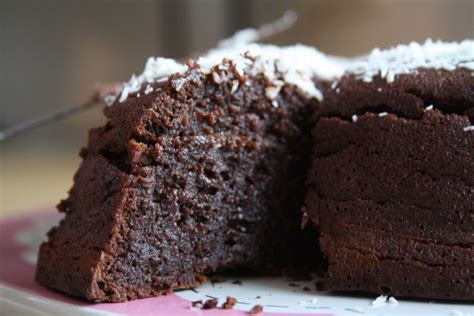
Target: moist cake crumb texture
[(182, 183)]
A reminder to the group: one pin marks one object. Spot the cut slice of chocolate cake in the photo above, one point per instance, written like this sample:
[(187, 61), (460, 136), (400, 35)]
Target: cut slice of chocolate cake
[(199, 168), (391, 187)]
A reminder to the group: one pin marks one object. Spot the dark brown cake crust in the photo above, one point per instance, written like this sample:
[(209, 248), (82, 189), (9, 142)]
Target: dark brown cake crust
[(393, 195), (184, 181)]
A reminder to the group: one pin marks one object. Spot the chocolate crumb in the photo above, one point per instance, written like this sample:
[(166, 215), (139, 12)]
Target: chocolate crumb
[(294, 284), (210, 304), (256, 310), (197, 304), (229, 302), (258, 297), (306, 289), (238, 282)]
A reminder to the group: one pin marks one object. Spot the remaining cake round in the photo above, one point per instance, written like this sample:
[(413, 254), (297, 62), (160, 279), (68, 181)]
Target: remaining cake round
[(391, 187)]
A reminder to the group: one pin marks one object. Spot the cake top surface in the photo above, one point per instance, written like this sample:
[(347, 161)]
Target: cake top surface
[(299, 65), (407, 58)]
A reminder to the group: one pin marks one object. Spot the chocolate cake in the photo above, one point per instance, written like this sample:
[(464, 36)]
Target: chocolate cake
[(391, 187), (206, 166), (199, 168)]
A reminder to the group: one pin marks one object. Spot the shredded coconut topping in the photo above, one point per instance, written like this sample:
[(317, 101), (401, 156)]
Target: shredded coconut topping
[(298, 65), (404, 59), (155, 68)]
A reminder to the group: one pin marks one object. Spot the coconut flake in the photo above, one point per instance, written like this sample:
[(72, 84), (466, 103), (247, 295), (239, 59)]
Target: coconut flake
[(429, 108), (272, 92), (380, 301), (179, 83), (148, 89), (217, 78), (235, 86), (354, 118), (469, 128), (393, 301)]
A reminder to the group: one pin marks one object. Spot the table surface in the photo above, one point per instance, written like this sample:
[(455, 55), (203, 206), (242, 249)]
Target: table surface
[(30, 179)]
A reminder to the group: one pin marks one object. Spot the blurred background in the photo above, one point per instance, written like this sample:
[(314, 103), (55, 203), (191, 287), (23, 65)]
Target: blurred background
[(52, 53)]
